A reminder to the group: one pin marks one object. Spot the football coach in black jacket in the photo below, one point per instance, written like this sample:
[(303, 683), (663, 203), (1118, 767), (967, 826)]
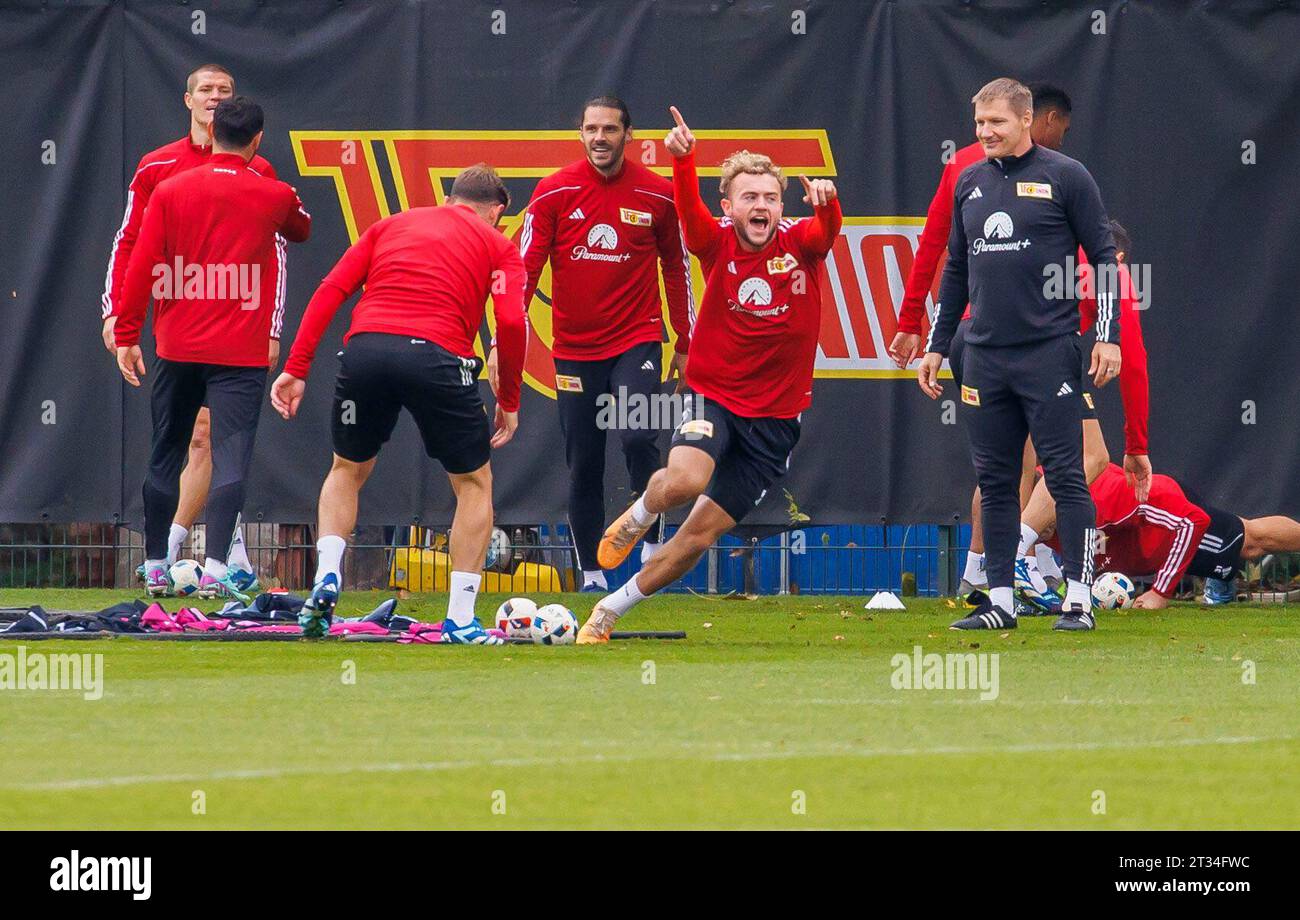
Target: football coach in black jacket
[(1020, 218)]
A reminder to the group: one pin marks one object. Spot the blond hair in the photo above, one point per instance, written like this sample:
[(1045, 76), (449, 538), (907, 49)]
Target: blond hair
[(755, 164), (1016, 93)]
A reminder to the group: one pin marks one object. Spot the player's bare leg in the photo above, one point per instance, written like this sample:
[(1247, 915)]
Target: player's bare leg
[(471, 529), (196, 479), (1274, 534), (336, 519), (686, 476), (702, 528)]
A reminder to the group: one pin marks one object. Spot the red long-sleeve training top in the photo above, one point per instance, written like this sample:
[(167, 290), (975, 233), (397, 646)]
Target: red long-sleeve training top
[(154, 167), (427, 273), (604, 237), (209, 256), (1157, 536), (755, 340)]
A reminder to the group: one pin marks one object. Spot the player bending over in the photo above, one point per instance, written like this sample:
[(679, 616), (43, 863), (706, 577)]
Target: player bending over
[(427, 274), (205, 88), (750, 365), (1174, 533)]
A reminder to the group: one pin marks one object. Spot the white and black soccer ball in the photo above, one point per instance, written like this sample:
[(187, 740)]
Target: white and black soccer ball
[(184, 576), (554, 624), (515, 618), (499, 552), (1112, 590)]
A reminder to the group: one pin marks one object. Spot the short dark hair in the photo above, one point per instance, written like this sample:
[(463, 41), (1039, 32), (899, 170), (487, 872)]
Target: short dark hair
[(236, 122), (192, 80), (480, 184), (1049, 96), (1123, 242), (607, 102)]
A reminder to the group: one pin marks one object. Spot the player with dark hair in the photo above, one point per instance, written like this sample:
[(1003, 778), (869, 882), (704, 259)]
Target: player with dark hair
[(1022, 210), (750, 368), (427, 274), (604, 222), (208, 253), (205, 87), (1173, 533)]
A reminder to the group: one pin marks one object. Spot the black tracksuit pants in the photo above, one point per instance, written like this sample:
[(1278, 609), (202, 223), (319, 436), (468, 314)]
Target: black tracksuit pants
[(234, 398), (584, 419), (1009, 392)]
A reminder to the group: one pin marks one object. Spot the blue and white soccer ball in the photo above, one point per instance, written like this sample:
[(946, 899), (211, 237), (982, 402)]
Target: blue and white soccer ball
[(184, 576), (554, 624), (1111, 590), (515, 618)]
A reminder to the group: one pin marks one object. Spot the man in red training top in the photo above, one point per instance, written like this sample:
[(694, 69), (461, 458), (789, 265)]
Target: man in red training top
[(208, 254), (750, 366), (1173, 533), (606, 224), (427, 274), (205, 87)]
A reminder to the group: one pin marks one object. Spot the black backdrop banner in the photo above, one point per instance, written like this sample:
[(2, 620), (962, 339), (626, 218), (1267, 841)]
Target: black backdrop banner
[(1185, 114)]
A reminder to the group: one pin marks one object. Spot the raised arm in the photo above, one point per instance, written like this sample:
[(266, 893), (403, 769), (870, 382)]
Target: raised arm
[(820, 232), (699, 227)]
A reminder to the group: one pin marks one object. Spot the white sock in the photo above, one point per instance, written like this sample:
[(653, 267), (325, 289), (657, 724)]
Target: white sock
[(975, 573), (464, 591), (238, 555), (648, 550), (643, 516), (1076, 592), (1028, 537), (1035, 576), (1003, 598), (1047, 561), (175, 540), (624, 599), (596, 578), (214, 567), (329, 557)]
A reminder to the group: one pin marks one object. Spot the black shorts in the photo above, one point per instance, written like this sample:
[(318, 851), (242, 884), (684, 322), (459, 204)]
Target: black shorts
[(1219, 553), (956, 354), (749, 453), (382, 374)]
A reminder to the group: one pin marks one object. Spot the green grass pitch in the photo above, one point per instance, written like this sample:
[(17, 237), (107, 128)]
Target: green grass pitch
[(773, 713)]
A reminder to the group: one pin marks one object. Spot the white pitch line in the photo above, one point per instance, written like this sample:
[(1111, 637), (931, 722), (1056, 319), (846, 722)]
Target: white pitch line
[(436, 766), (907, 696)]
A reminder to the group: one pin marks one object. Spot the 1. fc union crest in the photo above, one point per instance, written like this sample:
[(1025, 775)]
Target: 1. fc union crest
[(867, 267)]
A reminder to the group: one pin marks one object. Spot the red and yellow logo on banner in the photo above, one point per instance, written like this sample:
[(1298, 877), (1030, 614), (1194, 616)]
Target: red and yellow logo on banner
[(865, 272)]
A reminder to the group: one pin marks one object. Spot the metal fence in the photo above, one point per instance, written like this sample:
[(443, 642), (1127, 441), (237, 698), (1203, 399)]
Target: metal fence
[(857, 559), (913, 560)]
